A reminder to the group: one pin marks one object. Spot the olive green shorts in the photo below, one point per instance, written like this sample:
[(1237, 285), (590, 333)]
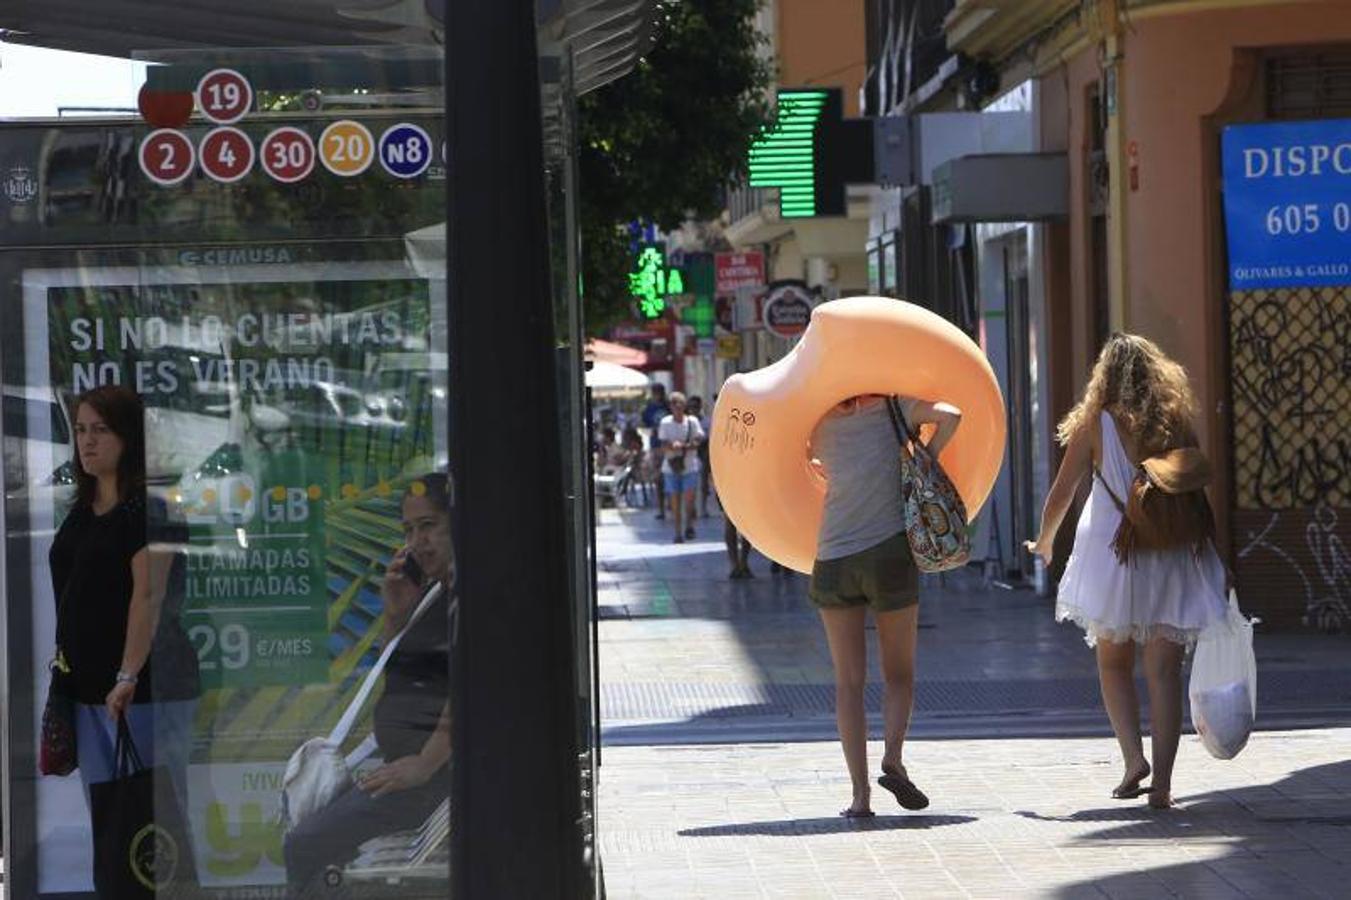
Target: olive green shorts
[(883, 577)]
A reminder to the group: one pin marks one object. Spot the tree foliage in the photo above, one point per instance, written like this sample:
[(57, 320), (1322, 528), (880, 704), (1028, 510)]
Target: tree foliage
[(661, 144)]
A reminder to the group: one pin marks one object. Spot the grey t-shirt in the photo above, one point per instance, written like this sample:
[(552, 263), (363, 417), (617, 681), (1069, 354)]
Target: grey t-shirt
[(861, 457)]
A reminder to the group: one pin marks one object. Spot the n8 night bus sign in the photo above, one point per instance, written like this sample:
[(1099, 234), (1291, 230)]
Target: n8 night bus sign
[(1287, 203)]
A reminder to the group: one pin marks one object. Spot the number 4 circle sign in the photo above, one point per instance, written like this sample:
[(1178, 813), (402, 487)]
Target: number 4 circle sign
[(226, 154), (287, 154), (167, 156)]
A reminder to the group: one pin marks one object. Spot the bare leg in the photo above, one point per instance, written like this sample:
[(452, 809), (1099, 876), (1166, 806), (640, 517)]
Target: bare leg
[(849, 655), (896, 638), (730, 538), (1116, 674), (1163, 677), (689, 511), (676, 498)]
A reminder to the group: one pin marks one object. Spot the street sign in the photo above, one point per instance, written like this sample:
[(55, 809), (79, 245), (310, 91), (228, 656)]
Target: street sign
[(706, 346), (288, 154), (346, 148), (787, 310), (405, 150), (729, 346), (224, 96), (226, 154), (167, 156), (1287, 204), (739, 270)]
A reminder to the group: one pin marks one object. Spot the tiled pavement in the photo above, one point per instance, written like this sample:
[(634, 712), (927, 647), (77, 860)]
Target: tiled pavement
[(705, 681)]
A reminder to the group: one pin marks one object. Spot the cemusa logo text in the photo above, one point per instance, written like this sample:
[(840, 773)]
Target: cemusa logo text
[(236, 256)]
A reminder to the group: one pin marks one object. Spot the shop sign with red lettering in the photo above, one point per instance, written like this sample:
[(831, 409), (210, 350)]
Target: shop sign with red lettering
[(739, 270)]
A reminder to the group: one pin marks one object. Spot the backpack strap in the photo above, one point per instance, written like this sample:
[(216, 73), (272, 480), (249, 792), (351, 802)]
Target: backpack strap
[(1121, 507)]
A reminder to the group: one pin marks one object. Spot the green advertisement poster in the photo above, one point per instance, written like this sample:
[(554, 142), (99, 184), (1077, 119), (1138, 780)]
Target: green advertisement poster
[(287, 410)]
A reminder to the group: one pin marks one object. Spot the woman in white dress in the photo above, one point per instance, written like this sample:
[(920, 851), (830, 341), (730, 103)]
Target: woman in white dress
[(1138, 403)]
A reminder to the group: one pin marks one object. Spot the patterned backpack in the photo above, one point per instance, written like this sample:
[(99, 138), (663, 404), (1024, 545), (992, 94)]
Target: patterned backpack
[(935, 516)]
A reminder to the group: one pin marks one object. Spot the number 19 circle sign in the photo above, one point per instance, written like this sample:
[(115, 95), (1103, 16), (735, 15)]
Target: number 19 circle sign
[(287, 154)]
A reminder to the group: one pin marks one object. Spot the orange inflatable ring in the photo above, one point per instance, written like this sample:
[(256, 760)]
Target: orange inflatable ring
[(764, 419)]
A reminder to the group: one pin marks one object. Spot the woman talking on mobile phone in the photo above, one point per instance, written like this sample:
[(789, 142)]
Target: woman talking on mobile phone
[(412, 717)]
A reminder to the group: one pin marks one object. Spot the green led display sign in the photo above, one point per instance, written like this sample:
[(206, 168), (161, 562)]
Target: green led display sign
[(811, 153), (785, 155), (651, 282)]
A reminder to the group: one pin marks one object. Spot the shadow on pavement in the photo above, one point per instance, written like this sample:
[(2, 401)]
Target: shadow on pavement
[(1308, 856), (825, 825)]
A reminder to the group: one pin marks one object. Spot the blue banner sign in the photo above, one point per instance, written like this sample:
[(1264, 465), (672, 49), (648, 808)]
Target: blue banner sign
[(1287, 204)]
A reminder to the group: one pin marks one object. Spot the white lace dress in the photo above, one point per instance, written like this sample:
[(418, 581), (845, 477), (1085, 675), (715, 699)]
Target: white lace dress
[(1171, 594)]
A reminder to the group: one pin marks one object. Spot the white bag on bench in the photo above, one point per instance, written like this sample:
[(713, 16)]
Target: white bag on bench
[(318, 773)]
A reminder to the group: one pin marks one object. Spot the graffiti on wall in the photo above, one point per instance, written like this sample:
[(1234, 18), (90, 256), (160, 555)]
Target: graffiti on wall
[(1291, 380)]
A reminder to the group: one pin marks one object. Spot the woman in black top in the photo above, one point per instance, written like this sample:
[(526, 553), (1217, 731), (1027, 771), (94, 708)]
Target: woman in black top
[(412, 717), (118, 601)]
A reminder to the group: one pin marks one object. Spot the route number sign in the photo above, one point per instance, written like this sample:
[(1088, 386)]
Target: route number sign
[(167, 156), (224, 96)]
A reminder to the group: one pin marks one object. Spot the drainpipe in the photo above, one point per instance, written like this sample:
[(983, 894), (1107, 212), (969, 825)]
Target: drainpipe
[(1114, 72)]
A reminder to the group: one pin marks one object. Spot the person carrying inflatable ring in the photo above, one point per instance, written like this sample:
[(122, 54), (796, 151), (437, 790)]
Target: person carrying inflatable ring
[(864, 561), (806, 456)]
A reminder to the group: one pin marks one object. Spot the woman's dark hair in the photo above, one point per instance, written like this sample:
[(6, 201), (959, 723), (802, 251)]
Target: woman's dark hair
[(435, 486), (121, 410)]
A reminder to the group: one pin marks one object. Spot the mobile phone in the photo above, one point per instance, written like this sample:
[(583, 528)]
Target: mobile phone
[(412, 571)]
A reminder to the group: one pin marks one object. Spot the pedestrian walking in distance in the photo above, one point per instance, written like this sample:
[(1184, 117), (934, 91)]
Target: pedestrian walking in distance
[(680, 436), (1122, 587), (863, 561), (656, 409)]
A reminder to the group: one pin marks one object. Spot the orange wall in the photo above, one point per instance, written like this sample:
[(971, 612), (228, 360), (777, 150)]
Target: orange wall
[(1177, 71), (822, 42)]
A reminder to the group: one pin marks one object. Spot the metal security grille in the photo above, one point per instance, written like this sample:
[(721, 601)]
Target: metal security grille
[(1290, 368), (1309, 85)]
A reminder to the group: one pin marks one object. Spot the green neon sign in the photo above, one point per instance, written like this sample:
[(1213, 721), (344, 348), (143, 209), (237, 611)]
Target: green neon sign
[(651, 282), (785, 155)]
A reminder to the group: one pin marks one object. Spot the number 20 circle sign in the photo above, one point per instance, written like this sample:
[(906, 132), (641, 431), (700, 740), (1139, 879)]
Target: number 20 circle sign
[(287, 154), (346, 148), (167, 156), (226, 154)]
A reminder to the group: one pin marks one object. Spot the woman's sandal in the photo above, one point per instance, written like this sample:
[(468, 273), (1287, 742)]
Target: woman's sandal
[(1132, 788), (1161, 799), (851, 813), (909, 796)]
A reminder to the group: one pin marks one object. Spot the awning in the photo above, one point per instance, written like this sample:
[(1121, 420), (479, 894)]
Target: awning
[(612, 380), (1006, 187), (620, 354)]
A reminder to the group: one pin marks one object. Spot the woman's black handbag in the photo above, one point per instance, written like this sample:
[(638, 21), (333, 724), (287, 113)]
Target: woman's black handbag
[(56, 753), (141, 843)]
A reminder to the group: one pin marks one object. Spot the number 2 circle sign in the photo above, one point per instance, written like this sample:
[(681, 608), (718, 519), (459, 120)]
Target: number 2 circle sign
[(226, 154), (167, 156), (287, 154), (224, 96), (346, 148)]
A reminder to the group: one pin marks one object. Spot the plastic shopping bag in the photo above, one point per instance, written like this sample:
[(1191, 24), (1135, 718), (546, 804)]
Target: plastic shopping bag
[(1223, 689)]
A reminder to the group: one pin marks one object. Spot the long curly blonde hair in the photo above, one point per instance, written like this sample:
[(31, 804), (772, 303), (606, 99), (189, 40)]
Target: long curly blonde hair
[(1147, 391)]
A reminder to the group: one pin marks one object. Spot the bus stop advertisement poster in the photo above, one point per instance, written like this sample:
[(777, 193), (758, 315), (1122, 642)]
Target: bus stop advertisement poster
[(284, 419)]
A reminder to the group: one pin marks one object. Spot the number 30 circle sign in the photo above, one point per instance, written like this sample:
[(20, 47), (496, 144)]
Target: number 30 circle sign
[(287, 154)]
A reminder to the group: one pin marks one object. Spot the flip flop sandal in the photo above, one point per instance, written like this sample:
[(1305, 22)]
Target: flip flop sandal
[(857, 813), (1130, 793), (909, 796), (689, 533)]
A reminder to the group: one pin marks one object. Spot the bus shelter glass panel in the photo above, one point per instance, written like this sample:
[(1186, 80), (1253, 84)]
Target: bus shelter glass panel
[(228, 568)]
